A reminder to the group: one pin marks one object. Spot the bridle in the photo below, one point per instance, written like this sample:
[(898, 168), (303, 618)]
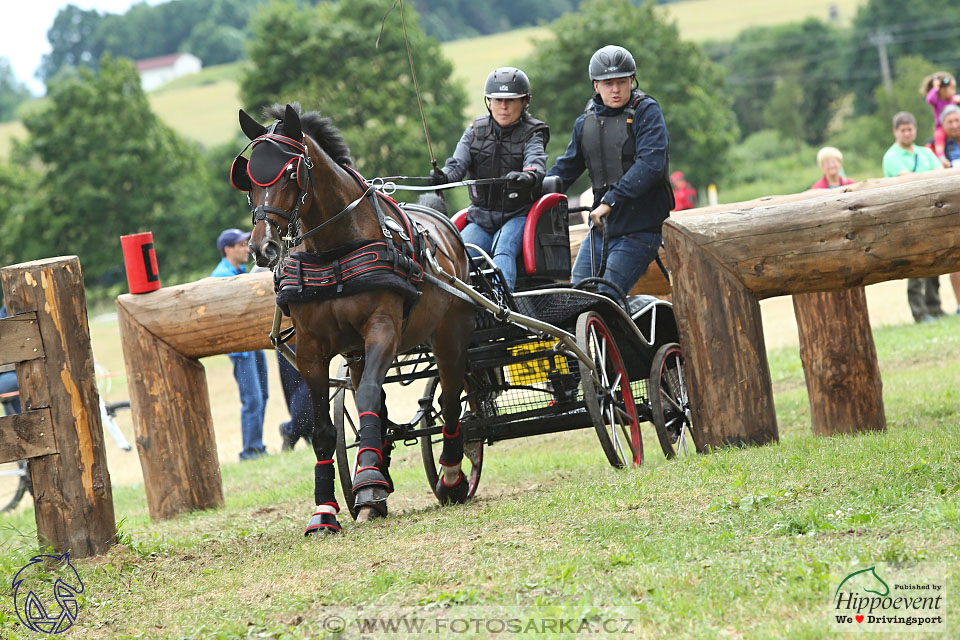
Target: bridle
[(241, 179)]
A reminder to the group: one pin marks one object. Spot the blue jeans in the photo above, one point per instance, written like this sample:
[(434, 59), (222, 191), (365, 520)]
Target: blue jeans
[(8, 384), (627, 258), (299, 404), (504, 246), (250, 371)]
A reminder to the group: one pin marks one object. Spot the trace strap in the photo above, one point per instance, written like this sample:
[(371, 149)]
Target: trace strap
[(388, 185)]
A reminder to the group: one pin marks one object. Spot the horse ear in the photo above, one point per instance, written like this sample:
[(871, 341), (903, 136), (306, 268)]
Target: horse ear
[(251, 127), (291, 124)]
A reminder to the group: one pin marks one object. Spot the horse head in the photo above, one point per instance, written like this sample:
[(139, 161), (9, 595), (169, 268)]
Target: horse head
[(277, 179)]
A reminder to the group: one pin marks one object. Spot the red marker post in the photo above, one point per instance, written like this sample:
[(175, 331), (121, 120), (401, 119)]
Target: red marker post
[(140, 262)]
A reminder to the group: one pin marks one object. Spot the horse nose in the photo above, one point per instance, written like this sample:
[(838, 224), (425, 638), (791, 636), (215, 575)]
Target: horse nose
[(270, 251)]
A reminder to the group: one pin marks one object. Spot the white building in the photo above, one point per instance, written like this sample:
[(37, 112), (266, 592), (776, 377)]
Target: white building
[(155, 72)]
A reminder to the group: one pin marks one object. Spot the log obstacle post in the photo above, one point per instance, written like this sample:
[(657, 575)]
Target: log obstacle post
[(839, 362), (818, 242), (164, 333), (60, 430)]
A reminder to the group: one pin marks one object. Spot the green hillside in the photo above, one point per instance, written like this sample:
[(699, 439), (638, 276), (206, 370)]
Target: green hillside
[(203, 107)]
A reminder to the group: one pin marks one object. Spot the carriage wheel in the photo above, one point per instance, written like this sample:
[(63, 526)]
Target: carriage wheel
[(343, 422), (607, 393), (430, 446), (670, 402)]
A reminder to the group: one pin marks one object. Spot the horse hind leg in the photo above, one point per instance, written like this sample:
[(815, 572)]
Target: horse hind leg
[(450, 350)]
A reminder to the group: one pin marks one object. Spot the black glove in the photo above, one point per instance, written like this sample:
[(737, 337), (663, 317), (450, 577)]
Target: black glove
[(438, 177), (522, 179)]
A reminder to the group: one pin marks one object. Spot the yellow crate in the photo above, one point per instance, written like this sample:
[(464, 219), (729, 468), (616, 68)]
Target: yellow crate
[(534, 371)]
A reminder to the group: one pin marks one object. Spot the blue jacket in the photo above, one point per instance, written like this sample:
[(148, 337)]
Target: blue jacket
[(225, 269), (639, 200)]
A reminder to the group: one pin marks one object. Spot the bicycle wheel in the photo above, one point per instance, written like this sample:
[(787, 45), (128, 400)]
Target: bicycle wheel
[(14, 484)]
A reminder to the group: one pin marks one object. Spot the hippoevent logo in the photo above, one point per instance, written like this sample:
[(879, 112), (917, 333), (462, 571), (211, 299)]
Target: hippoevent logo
[(45, 594), (891, 598)]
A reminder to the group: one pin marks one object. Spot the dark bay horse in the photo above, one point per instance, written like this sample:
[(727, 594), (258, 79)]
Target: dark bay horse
[(299, 183)]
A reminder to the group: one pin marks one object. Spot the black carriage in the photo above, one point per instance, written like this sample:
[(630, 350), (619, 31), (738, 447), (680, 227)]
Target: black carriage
[(544, 359)]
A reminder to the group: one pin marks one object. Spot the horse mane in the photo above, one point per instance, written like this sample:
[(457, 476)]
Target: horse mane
[(318, 127)]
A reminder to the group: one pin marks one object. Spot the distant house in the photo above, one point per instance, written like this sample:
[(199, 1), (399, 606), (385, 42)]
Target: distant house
[(159, 71)]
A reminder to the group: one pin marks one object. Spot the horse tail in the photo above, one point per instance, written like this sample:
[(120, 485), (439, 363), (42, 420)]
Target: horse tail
[(433, 201)]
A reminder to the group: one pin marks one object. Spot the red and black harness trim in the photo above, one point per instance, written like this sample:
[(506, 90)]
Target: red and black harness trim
[(358, 267)]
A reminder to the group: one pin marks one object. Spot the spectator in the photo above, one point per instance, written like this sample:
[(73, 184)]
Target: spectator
[(951, 129), (249, 367), (9, 392), (950, 118), (941, 91), (684, 194), (506, 143), (923, 294), (297, 396), (631, 189), (831, 163)]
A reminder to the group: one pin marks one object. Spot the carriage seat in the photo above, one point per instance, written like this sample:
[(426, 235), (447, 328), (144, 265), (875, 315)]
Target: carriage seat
[(545, 257)]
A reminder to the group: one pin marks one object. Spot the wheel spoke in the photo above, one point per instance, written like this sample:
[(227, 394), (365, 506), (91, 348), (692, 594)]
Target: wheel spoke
[(356, 432), (682, 441), (612, 389), (669, 399)]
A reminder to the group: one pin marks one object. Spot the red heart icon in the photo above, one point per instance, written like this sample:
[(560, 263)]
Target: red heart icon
[(859, 618)]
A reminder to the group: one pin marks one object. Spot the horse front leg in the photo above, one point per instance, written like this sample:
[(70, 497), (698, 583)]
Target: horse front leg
[(316, 373), (370, 482)]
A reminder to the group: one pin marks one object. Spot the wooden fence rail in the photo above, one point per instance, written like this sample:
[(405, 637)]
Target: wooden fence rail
[(723, 263), (59, 431), (164, 333)]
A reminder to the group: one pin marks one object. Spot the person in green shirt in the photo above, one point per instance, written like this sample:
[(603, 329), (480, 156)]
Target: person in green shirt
[(923, 294), (904, 156)]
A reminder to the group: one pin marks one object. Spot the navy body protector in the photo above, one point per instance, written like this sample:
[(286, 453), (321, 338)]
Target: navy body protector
[(360, 266)]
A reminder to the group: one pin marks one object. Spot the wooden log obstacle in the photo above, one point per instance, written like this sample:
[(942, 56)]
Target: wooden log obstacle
[(59, 431), (164, 334), (724, 262)]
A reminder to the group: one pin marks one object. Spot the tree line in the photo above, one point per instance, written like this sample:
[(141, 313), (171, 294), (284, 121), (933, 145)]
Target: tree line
[(216, 32), (97, 163)]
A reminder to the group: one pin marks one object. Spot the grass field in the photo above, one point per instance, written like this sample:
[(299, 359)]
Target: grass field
[(203, 107), (701, 20), (735, 544)]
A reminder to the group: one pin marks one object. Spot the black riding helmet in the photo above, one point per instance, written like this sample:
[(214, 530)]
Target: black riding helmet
[(506, 82), (612, 61)]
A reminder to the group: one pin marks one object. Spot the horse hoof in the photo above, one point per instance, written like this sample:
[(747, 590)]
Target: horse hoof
[(322, 523), (455, 494), (371, 512), (371, 497), (371, 477)]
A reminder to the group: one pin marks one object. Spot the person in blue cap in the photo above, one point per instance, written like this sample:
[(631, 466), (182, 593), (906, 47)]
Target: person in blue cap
[(249, 367)]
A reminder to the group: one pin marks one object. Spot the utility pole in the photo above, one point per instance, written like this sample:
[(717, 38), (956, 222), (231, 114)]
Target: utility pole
[(881, 39)]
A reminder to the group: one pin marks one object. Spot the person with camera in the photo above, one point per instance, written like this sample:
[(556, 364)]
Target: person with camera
[(506, 143), (941, 91), (621, 140)]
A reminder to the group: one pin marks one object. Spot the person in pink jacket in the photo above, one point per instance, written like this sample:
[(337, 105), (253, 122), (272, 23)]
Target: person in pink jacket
[(941, 91)]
